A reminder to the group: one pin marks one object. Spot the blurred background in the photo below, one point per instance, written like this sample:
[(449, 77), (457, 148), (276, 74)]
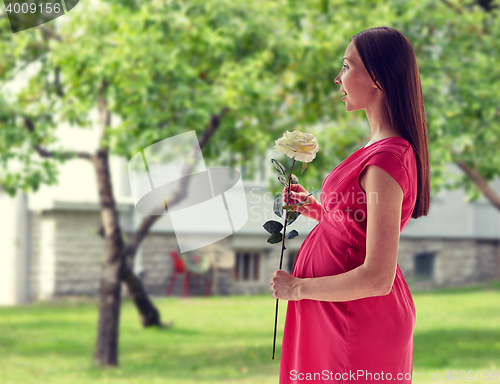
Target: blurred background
[(88, 283)]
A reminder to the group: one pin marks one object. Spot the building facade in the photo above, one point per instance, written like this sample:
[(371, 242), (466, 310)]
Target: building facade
[(55, 249)]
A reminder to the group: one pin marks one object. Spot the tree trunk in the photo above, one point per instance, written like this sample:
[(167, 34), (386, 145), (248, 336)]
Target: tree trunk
[(147, 311), (106, 349), (481, 183)]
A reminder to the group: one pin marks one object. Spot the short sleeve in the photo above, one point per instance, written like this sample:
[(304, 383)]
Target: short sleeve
[(392, 164)]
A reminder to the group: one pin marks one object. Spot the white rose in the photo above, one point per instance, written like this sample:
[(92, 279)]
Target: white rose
[(298, 145)]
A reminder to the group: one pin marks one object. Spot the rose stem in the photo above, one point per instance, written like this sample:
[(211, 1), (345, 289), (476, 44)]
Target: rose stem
[(282, 249)]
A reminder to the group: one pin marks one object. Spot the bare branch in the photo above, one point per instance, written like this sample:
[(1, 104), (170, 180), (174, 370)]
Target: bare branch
[(50, 33), (103, 111), (476, 177), (147, 222), (57, 82), (100, 230), (30, 126), (453, 6)]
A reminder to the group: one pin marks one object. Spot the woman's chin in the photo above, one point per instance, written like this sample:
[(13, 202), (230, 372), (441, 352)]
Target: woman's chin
[(349, 107)]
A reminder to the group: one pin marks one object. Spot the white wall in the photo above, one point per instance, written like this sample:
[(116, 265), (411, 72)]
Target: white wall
[(77, 177), (14, 246), (451, 217)]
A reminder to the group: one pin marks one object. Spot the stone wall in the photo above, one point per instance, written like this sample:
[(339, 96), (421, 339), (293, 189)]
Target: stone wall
[(456, 262), (272, 262), (156, 262), (158, 269), (66, 259), (66, 256), (34, 269), (488, 259), (66, 253)]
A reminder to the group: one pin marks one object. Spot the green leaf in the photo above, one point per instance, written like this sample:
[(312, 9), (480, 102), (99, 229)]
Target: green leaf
[(304, 166), (278, 204), (282, 179), (273, 226), (275, 238), (303, 203), (292, 235), (295, 179), (292, 216), (279, 166)]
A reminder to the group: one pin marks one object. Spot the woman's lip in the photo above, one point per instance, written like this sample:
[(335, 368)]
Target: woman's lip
[(343, 97)]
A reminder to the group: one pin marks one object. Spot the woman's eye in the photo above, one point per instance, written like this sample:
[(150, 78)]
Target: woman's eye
[(345, 66)]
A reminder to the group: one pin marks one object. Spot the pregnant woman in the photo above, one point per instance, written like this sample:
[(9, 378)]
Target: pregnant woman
[(350, 314)]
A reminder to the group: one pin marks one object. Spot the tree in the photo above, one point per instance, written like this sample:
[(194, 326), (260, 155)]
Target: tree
[(161, 71), (469, 50)]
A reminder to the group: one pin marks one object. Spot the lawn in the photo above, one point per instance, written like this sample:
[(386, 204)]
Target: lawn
[(227, 339)]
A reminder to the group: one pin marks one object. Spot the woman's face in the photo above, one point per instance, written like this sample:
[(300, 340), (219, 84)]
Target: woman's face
[(355, 81)]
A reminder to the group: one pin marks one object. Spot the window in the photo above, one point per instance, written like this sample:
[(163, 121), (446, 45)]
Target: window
[(424, 266), (247, 266)]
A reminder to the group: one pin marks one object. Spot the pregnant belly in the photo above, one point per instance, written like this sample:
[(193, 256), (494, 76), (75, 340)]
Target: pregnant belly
[(322, 254)]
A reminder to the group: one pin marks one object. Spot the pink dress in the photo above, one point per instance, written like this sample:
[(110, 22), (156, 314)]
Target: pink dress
[(360, 341)]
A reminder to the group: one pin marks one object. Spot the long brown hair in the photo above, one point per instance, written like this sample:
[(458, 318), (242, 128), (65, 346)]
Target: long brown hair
[(390, 59)]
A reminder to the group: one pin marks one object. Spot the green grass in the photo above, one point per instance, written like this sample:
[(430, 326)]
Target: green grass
[(226, 339)]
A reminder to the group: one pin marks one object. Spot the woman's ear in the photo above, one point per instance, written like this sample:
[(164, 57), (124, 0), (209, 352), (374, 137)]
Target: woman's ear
[(379, 87)]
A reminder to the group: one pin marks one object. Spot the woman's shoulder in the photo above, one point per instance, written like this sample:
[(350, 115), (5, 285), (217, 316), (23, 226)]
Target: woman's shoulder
[(397, 146), (395, 155)]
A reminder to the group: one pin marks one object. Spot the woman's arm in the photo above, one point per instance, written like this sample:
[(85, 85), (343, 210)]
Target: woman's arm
[(298, 193), (315, 210), (376, 275)]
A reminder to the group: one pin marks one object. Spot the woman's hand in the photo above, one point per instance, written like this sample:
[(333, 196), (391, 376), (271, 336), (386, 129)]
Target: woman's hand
[(285, 286), (298, 194)]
